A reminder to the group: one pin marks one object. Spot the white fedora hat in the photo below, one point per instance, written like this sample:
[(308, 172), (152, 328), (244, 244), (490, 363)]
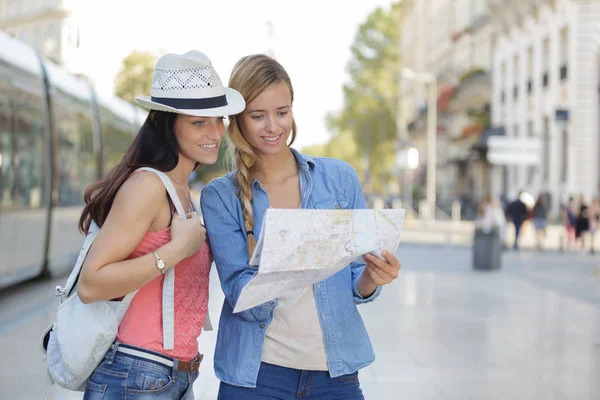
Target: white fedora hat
[(188, 84)]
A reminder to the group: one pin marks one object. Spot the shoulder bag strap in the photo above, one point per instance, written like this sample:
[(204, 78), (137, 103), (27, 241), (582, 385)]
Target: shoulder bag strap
[(168, 289)]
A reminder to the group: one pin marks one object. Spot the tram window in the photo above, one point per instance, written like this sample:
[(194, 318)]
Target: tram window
[(75, 159), (21, 142)]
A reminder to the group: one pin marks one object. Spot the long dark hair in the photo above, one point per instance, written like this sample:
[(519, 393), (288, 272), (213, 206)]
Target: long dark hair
[(154, 146)]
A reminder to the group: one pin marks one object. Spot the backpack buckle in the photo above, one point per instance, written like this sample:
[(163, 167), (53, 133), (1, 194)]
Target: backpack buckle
[(60, 291)]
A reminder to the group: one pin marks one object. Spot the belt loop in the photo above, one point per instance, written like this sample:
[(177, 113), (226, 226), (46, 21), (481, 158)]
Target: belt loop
[(175, 369), (110, 356)]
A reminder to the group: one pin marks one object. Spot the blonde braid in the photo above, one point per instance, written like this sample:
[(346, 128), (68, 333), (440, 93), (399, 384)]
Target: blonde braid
[(243, 179), (251, 76)]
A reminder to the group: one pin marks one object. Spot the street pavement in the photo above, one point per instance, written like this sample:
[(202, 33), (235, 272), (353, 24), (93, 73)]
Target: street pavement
[(442, 331)]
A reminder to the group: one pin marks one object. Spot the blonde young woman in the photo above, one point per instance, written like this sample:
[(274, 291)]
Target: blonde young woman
[(312, 342), (141, 237)]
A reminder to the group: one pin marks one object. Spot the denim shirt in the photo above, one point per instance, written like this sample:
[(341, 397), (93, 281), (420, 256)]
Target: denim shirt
[(324, 184)]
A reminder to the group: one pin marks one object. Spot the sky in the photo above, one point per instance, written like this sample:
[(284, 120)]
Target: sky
[(310, 38)]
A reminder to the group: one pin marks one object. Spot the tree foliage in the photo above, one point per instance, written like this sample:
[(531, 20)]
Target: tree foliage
[(368, 117), (135, 76)]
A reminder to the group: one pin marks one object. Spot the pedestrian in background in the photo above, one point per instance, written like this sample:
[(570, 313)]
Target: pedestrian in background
[(518, 213), (312, 340), (594, 221), (582, 223), (141, 237), (540, 220), (569, 222)]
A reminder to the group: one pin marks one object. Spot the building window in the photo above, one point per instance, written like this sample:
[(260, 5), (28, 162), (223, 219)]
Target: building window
[(563, 73), (564, 53), (546, 149), (529, 69), (529, 86), (546, 62), (503, 97), (531, 169), (516, 77)]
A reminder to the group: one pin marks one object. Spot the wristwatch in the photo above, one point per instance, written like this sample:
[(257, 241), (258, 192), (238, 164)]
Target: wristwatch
[(160, 263)]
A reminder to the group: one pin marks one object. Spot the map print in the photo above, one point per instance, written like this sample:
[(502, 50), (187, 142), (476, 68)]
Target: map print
[(298, 248)]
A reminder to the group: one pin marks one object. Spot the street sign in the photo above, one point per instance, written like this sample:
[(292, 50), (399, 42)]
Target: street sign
[(514, 150)]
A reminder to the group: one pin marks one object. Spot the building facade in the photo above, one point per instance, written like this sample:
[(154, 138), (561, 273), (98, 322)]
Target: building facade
[(546, 80), (50, 27), (452, 39)]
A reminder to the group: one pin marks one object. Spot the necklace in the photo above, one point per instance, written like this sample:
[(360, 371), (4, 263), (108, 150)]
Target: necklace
[(190, 208), (175, 180)]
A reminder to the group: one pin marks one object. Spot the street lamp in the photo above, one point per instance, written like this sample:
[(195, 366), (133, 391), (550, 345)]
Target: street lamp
[(408, 159), (431, 81)]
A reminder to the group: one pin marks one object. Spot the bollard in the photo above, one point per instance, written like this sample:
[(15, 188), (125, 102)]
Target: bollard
[(561, 240), (456, 211)]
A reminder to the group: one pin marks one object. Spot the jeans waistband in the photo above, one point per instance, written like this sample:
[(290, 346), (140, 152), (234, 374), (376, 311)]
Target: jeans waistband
[(188, 367)]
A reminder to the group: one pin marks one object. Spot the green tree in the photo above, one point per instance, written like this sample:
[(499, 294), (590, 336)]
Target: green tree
[(135, 76), (370, 98), (341, 146)]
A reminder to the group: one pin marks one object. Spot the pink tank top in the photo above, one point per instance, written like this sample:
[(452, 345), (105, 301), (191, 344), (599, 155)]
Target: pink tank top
[(142, 325)]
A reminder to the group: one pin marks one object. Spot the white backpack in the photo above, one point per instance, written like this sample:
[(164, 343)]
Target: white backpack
[(83, 333)]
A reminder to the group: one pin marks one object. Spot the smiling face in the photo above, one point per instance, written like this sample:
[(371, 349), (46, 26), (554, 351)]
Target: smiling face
[(198, 138), (267, 121)]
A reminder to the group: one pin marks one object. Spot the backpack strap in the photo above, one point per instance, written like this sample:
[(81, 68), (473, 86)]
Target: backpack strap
[(207, 326), (168, 289), (76, 273), (85, 249)]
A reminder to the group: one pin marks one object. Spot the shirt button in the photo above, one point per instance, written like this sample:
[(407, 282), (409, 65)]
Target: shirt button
[(262, 326)]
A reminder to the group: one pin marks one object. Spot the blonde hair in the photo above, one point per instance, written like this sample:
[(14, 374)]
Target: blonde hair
[(251, 76)]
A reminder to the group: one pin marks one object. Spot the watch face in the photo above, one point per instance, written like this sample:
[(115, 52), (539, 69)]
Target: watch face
[(161, 264)]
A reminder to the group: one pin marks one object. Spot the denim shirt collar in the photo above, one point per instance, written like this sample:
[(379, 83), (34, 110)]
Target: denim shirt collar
[(305, 163)]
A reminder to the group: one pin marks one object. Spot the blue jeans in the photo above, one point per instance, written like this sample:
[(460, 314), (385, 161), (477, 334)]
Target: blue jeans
[(122, 376), (280, 383)]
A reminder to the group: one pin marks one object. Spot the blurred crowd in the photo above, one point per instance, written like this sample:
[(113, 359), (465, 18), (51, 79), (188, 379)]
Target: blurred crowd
[(579, 219)]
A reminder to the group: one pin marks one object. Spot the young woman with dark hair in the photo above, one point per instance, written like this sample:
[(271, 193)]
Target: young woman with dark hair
[(141, 238)]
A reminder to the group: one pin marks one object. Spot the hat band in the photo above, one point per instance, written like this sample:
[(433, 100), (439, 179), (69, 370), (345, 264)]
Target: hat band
[(192, 104)]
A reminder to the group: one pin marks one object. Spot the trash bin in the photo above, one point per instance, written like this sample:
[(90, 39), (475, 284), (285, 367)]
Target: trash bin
[(487, 250)]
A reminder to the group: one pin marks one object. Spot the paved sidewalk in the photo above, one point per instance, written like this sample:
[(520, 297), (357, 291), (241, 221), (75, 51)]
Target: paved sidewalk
[(441, 332)]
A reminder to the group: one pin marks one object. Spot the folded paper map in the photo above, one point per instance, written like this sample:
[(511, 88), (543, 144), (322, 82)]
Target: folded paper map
[(298, 247)]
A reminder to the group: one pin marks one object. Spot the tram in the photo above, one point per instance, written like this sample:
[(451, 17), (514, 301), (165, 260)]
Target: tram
[(57, 136)]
